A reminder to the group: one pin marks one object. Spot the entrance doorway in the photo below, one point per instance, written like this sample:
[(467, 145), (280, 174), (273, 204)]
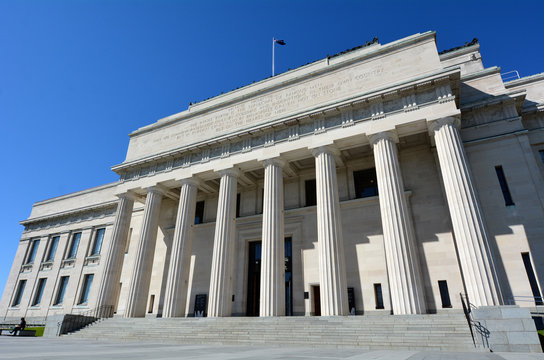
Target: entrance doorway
[(316, 300), (254, 278)]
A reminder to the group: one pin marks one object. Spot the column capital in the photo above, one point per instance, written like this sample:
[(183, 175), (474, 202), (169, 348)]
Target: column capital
[(234, 172), (390, 135), (129, 195), (274, 161), (436, 124), (157, 189), (329, 149), (193, 181)]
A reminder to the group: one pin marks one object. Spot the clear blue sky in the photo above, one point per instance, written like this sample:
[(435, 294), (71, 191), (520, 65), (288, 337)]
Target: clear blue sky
[(77, 76)]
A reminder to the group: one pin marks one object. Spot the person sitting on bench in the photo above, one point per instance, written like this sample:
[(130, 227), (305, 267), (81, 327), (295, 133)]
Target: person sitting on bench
[(19, 327)]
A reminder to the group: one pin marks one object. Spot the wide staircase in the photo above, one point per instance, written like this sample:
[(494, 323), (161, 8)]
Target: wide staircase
[(408, 332)]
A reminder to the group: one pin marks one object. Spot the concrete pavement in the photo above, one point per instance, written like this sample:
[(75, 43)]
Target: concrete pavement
[(80, 349)]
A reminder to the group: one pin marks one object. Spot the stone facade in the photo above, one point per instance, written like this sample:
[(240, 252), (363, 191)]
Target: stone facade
[(405, 175)]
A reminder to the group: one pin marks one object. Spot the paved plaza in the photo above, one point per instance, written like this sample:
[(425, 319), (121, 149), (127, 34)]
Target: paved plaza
[(58, 348)]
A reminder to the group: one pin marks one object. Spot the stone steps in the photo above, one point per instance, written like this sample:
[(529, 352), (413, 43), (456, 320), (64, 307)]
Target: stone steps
[(410, 332)]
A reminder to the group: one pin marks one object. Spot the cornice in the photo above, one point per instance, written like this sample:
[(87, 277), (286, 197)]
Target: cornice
[(525, 80), (462, 51), (482, 73), (398, 89)]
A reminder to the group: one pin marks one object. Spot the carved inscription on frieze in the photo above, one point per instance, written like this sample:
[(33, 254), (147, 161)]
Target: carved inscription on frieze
[(264, 108)]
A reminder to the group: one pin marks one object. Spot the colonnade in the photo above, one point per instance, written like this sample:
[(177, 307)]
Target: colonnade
[(402, 259)]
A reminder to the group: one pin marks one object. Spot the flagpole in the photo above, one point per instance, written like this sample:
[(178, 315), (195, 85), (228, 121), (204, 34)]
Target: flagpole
[(273, 41)]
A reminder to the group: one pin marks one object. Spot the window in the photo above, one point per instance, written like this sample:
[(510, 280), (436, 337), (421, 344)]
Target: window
[(199, 212), (504, 186), (532, 278), (86, 289), (61, 291), (378, 297), (311, 192), (39, 292), (52, 248), (365, 183), (444, 293), (33, 250), (541, 152), (74, 244), (238, 205), (97, 245), (19, 293)]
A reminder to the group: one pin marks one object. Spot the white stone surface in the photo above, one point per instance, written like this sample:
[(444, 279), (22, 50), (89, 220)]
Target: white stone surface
[(272, 301), (221, 282), (178, 272), (332, 267), (401, 251), (469, 226), (141, 274)]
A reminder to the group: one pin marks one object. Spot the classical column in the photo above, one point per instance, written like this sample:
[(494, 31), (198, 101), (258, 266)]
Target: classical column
[(113, 259), (273, 248), (407, 295), (143, 263), (469, 228), (220, 301), (176, 284), (332, 267)]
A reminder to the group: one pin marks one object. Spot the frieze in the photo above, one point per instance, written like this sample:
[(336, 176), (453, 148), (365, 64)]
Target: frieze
[(372, 108), (76, 217), (484, 114)]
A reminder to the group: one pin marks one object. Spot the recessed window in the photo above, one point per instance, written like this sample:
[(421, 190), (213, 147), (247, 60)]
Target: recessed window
[(86, 289), (19, 293), (74, 244), (541, 152), (365, 183), (97, 244), (33, 250), (63, 283), (444, 293), (52, 248), (39, 292), (378, 296), (238, 205), (504, 186), (310, 188), (532, 278), (199, 212)]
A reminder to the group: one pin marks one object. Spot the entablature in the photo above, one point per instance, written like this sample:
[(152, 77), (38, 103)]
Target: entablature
[(414, 99)]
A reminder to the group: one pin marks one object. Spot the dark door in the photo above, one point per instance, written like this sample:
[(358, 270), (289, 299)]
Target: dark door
[(316, 300), (253, 278), (288, 278)]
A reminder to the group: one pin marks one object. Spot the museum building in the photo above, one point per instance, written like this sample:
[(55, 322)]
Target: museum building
[(383, 179)]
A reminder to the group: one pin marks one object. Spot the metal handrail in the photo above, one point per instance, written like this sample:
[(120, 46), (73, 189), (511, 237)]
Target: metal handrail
[(473, 324), (74, 322)]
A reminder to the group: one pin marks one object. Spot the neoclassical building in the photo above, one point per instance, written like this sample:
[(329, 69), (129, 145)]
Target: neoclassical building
[(386, 178)]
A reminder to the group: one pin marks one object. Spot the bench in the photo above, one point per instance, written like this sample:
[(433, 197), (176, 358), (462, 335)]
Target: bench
[(21, 333)]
